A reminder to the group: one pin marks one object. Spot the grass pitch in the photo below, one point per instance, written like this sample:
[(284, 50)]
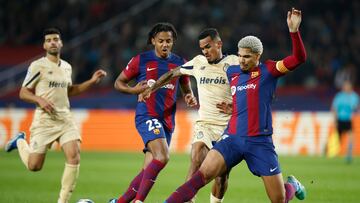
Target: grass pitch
[(105, 175)]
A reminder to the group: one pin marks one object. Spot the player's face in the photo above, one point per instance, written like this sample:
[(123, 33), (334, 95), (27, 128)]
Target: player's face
[(52, 44), (211, 48), (163, 43), (248, 59)]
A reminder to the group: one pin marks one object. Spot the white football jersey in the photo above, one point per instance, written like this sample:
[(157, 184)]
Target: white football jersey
[(51, 82), (213, 86)]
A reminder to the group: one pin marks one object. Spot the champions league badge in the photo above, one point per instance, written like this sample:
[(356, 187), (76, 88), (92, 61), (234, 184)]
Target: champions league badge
[(226, 66)]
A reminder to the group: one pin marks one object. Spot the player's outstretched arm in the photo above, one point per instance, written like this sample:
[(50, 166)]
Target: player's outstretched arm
[(163, 80), (79, 88), (298, 50)]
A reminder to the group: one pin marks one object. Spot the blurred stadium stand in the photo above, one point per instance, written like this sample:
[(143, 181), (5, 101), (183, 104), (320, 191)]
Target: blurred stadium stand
[(108, 33)]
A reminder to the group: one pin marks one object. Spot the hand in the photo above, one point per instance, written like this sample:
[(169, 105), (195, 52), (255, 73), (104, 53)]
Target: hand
[(98, 75), (47, 106), (294, 20), (190, 100), (143, 96), (140, 87), (224, 107)]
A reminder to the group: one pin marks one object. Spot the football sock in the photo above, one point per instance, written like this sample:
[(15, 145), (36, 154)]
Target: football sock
[(132, 190), (68, 182), (24, 151), (188, 190), (148, 180), (214, 199), (289, 191)]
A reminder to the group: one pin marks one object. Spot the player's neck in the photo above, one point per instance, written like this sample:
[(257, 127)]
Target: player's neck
[(53, 58), (221, 56)]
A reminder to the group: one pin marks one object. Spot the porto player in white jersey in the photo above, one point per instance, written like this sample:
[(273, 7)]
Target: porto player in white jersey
[(48, 85), (214, 92), (249, 133)]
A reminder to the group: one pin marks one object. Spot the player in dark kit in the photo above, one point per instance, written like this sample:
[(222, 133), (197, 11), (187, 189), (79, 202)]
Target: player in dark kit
[(154, 118), (248, 135)]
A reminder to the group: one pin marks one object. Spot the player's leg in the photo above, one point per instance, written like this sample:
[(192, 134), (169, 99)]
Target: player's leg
[(213, 166), (160, 153), (198, 154), (278, 192), (33, 159), (219, 188), (71, 171), (262, 160), (349, 153), (131, 191), (275, 189)]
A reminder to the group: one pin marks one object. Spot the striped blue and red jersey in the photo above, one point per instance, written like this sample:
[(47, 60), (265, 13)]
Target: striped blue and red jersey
[(162, 103), (252, 92)]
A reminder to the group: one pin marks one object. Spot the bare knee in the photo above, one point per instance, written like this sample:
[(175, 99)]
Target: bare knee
[(162, 157), (34, 167)]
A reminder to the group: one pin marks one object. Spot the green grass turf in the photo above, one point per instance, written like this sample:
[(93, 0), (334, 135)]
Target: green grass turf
[(106, 175)]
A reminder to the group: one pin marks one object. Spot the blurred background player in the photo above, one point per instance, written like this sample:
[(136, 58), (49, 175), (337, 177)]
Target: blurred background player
[(249, 133), (154, 118), (345, 103), (213, 87), (48, 85)]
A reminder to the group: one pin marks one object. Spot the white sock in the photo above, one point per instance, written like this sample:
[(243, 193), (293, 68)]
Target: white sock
[(24, 151), (214, 199), (68, 182)]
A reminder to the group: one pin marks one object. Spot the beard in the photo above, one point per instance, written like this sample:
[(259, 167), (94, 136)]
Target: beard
[(53, 52)]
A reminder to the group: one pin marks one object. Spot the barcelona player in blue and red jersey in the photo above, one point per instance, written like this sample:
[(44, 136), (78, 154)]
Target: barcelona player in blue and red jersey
[(154, 118), (249, 133)]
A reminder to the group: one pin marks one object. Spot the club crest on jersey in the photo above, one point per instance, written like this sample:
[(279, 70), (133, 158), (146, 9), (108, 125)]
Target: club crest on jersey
[(254, 74), (156, 131), (200, 135), (226, 66)]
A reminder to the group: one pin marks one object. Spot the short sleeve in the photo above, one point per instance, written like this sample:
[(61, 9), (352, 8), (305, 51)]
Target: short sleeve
[(188, 68), (132, 68), (32, 76)]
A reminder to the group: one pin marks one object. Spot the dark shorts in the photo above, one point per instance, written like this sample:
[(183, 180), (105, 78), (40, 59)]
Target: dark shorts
[(343, 126), (151, 128), (258, 152)]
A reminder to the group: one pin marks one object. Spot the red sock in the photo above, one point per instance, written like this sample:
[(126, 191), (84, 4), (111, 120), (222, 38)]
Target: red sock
[(132, 189), (188, 190), (289, 192), (148, 180)]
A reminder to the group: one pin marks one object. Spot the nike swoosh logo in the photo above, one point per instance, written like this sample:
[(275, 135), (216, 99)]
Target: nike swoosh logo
[(273, 169), (233, 78), (150, 69)]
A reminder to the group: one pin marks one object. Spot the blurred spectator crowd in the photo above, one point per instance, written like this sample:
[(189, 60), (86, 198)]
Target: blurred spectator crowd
[(330, 30)]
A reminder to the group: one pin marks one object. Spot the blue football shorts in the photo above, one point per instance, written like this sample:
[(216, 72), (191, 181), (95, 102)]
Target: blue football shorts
[(151, 128), (258, 152)]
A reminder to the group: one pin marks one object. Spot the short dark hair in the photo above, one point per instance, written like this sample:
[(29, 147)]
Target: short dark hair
[(209, 32), (52, 30), (162, 27)]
